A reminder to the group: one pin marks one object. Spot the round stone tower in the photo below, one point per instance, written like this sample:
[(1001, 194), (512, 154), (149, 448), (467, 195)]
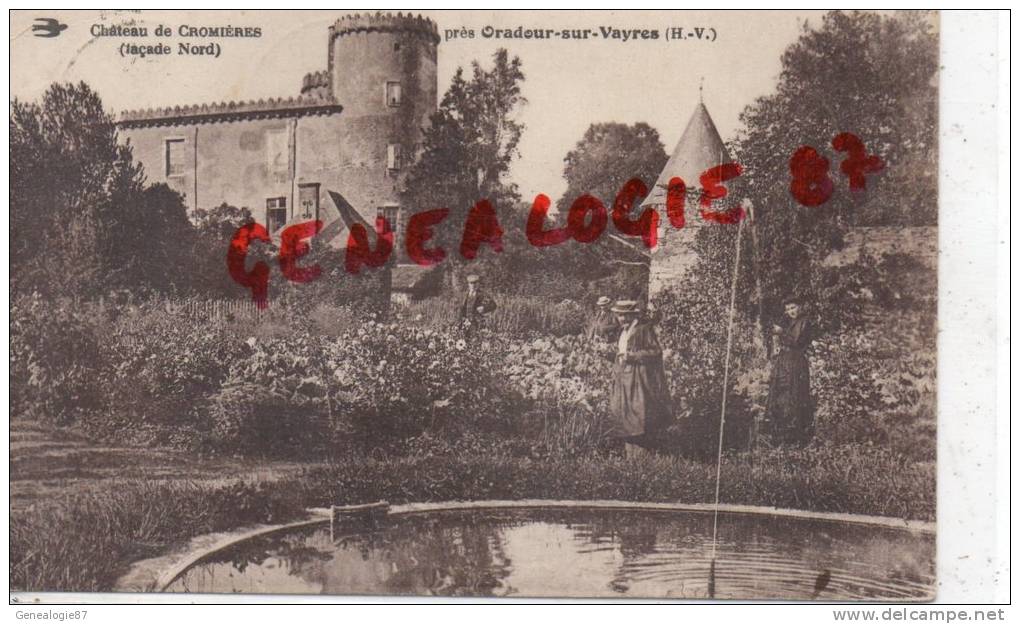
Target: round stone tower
[(382, 71), (369, 51)]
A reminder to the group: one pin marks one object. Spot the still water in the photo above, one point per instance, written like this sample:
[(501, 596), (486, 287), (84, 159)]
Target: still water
[(582, 553)]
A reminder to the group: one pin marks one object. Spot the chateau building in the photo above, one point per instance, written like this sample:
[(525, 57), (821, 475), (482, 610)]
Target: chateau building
[(336, 152)]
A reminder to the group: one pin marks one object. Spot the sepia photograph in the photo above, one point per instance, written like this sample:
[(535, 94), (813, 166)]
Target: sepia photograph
[(480, 304)]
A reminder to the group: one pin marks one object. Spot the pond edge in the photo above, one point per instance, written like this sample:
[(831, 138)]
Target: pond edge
[(323, 515)]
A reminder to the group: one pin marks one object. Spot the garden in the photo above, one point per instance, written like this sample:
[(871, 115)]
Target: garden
[(411, 408)]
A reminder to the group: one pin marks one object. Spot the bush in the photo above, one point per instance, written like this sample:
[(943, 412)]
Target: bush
[(54, 359), (872, 363), (564, 387), (373, 385), (292, 380), (875, 386), (250, 419), (693, 333)]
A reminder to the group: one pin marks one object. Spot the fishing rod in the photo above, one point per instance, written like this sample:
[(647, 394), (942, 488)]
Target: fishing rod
[(722, 416)]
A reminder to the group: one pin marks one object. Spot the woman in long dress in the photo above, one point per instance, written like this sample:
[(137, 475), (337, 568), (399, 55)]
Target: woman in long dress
[(789, 411), (639, 398)]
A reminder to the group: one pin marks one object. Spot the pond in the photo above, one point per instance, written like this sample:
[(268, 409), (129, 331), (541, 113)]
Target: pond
[(586, 552)]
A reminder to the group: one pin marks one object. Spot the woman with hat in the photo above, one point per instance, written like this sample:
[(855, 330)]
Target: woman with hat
[(603, 325), (639, 398), (789, 411)]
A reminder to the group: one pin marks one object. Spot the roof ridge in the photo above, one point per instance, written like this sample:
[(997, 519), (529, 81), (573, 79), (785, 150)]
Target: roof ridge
[(226, 108)]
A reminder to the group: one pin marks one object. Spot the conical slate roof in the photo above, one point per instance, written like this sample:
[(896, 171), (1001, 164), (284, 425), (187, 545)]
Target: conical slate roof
[(699, 148)]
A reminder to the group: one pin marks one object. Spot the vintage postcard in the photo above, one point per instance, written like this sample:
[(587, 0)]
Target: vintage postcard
[(572, 304)]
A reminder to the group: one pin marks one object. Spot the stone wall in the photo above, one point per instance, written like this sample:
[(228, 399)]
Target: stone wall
[(674, 255), (919, 242), (672, 258)]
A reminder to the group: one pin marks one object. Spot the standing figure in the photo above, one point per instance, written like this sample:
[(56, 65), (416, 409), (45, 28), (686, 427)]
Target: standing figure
[(603, 325), (639, 399), (475, 305), (789, 411)]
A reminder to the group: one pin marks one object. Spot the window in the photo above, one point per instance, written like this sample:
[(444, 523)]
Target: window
[(174, 157), (308, 200), (392, 94), (390, 212), (276, 213), (393, 156)]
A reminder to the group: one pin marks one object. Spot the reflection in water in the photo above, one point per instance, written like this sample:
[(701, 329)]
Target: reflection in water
[(582, 553)]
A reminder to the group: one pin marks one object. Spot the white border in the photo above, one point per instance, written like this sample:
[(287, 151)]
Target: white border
[(974, 348), (971, 501)]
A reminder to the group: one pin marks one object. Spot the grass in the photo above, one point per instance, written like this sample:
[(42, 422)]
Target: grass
[(84, 539), (857, 480), (514, 315)]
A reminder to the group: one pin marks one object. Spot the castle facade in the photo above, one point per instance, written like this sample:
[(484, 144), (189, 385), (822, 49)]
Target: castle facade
[(354, 129)]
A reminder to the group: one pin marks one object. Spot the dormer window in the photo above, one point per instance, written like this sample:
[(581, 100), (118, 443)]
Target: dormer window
[(392, 93)]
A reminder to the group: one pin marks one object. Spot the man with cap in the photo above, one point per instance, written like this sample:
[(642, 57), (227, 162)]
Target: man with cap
[(639, 404), (475, 304), (603, 325)]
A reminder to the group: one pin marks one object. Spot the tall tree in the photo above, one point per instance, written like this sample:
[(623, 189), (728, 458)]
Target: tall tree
[(81, 220), (606, 158), (870, 75), (469, 146), (67, 171)]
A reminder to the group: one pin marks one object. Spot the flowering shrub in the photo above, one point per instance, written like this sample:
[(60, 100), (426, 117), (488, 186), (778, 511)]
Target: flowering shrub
[(374, 384), (566, 380), (159, 366), (394, 380)]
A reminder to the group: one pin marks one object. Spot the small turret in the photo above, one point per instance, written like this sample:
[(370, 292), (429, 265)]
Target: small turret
[(316, 84), (700, 147)]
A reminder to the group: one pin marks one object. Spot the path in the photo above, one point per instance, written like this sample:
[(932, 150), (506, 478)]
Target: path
[(48, 462)]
